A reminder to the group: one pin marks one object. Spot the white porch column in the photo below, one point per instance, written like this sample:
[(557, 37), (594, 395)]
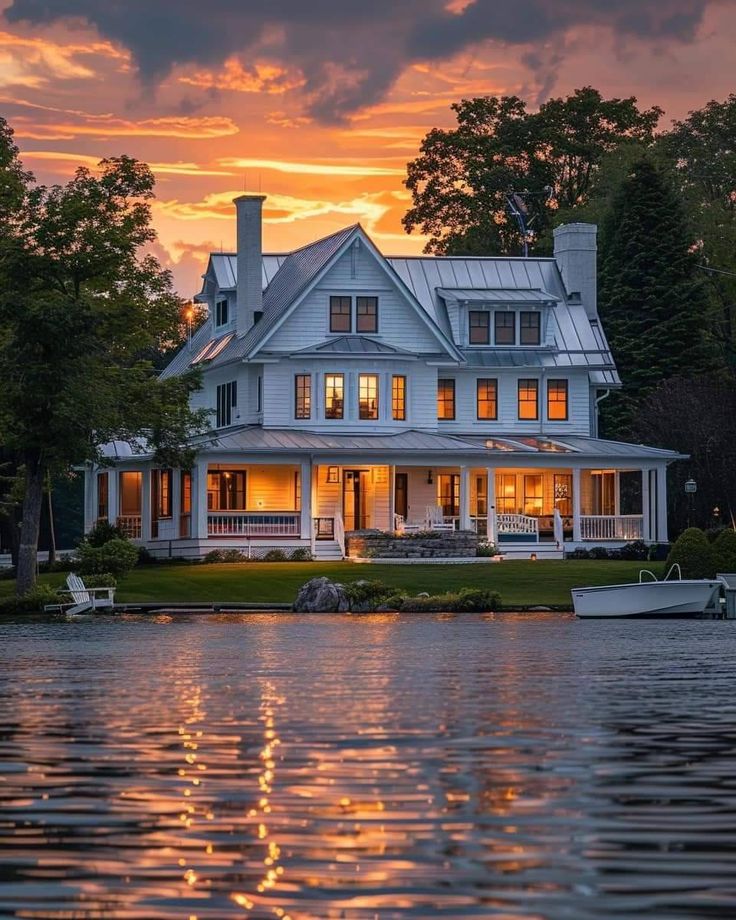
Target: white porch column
[(113, 495), (576, 504), (176, 501), (661, 534), (646, 506), (305, 522), (315, 504), (491, 528), (199, 500), (465, 522), (391, 496), (90, 497), (146, 504)]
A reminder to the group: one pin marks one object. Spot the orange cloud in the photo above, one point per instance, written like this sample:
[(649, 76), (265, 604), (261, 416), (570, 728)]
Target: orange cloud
[(83, 159), (332, 168), (103, 126), (34, 62), (260, 78)]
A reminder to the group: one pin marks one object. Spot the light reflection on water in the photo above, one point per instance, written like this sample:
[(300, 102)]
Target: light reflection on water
[(278, 766)]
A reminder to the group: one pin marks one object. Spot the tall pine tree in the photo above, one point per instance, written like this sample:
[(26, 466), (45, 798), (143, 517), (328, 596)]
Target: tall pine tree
[(652, 297)]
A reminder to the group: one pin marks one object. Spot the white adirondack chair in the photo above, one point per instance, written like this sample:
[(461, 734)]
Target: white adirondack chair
[(82, 599), (436, 519)]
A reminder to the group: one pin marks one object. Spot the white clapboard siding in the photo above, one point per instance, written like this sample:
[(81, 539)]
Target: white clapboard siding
[(271, 488)]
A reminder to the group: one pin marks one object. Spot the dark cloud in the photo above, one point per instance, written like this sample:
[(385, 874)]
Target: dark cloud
[(349, 51)]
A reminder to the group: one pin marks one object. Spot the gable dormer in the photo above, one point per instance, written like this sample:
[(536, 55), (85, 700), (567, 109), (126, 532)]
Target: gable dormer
[(500, 318)]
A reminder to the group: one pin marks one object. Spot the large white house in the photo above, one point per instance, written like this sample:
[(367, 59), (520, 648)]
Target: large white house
[(351, 390)]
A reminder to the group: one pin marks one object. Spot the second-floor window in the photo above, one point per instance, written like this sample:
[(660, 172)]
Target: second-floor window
[(366, 314), (529, 399), (341, 309), (479, 327), (222, 313), (504, 328), (398, 398), (227, 400), (446, 398), (487, 400), (529, 328), (303, 396), (368, 396), (557, 400), (334, 395)]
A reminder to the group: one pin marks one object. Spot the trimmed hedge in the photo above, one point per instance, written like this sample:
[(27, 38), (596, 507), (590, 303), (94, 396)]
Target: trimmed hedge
[(724, 549), (117, 557), (694, 554)]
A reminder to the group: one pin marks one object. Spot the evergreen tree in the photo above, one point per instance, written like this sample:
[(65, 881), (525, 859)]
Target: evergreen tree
[(652, 298)]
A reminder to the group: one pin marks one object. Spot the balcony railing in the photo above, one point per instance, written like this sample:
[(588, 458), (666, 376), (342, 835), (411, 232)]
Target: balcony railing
[(130, 525), (253, 524), (611, 527), (518, 524)]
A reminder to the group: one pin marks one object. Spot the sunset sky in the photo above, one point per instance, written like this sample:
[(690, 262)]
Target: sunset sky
[(318, 104)]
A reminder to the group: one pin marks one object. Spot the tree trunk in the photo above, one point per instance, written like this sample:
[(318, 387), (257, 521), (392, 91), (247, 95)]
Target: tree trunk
[(29, 528), (52, 529)]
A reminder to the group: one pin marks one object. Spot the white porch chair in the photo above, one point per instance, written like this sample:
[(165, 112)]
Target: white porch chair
[(82, 598), (436, 519)]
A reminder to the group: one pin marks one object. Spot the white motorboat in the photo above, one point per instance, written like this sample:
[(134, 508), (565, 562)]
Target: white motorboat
[(671, 597)]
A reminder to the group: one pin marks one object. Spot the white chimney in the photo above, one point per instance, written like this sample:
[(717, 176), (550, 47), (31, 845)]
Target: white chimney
[(575, 254), (249, 288)]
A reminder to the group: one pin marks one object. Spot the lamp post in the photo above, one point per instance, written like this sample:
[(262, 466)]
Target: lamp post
[(691, 487)]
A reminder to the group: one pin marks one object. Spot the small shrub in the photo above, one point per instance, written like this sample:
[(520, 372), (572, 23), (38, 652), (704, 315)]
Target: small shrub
[(224, 555), (367, 594), (32, 602), (300, 554), (467, 600), (712, 533), (102, 532), (145, 557), (658, 552), (104, 580), (275, 555), (579, 553), (597, 552), (636, 551), (694, 554), (486, 549), (117, 557), (724, 549), (477, 599)]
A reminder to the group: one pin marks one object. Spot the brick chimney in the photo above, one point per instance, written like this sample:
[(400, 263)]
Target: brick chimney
[(575, 254), (248, 209)]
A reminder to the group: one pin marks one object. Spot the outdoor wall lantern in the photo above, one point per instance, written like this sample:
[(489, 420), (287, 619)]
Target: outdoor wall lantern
[(430, 477), (691, 487)]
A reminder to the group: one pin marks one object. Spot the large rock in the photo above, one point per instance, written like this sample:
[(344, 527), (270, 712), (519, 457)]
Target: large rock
[(320, 595)]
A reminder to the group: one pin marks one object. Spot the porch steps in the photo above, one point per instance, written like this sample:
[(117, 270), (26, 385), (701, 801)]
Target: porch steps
[(327, 551), (525, 550)]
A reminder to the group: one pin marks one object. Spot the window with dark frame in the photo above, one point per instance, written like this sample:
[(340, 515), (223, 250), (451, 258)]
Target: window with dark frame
[(448, 490), (302, 396), (162, 493), (368, 396), (341, 314), (479, 327), (227, 400), (103, 492), (529, 400), (226, 490), (366, 314), (222, 312), (446, 398), (334, 395), (398, 398), (487, 398), (504, 327), (529, 328), (557, 400)]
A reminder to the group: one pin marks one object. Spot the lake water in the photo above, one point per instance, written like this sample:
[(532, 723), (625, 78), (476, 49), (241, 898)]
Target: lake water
[(372, 766)]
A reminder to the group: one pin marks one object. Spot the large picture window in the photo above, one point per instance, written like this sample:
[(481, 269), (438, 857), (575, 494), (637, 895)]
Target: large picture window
[(226, 490), (504, 327), (303, 396), (529, 328), (227, 399), (341, 314), (506, 493), (557, 400), (398, 398), (446, 398), (487, 398), (479, 327), (334, 395), (528, 399), (366, 314), (533, 495), (368, 396)]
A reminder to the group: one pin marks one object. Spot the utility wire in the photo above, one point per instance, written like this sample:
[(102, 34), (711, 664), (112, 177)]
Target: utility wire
[(717, 271)]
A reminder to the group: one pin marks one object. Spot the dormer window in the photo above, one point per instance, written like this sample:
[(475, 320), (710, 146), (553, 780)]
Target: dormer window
[(222, 312), (366, 314), (341, 309), (479, 327), (505, 328), (529, 328)]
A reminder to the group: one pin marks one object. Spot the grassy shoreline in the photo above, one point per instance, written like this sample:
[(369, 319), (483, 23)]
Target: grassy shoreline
[(520, 584)]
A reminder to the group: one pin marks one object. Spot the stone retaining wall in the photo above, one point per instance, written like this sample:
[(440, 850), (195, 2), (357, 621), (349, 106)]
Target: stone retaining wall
[(375, 544)]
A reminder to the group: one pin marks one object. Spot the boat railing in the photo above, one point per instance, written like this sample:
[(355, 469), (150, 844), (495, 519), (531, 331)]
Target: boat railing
[(674, 568), (643, 572)]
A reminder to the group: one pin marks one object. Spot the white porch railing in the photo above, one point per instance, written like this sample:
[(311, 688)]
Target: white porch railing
[(253, 524), (130, 525), (339, 530), (611, 527), (523, 524)]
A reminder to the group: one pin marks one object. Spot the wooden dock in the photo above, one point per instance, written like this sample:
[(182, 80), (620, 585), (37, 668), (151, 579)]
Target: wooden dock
[(212, 607)]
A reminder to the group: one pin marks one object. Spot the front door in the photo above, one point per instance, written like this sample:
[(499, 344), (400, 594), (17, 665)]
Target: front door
[(354, 495), (401, 494)]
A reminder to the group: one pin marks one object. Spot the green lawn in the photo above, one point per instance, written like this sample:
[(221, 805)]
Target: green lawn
[(524, 583)]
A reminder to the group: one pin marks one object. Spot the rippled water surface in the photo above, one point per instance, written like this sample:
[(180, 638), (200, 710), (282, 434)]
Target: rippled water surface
[(275, 766)]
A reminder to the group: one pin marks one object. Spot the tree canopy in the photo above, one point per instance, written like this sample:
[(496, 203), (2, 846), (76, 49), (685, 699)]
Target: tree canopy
[(81, 308), (461, 181)]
